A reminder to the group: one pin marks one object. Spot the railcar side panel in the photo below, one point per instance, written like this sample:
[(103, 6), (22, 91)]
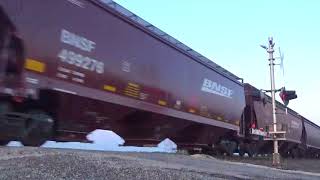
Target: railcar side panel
[(261, 112), (287, 122), (313, 134), (94, 47)]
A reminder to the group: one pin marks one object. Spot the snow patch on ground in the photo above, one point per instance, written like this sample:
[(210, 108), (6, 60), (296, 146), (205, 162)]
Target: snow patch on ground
[(104, 140)]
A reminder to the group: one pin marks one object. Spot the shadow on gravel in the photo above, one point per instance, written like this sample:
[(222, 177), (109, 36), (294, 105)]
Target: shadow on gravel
[(308, 165)]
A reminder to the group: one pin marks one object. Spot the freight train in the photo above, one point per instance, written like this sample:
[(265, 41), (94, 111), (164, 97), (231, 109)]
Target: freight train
[(69, 67)]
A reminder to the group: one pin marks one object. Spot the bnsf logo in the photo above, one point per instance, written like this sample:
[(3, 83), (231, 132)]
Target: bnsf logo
[(216, 88)]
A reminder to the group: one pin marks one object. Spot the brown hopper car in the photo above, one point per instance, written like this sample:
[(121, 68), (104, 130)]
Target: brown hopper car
[(312, 134), (87, 66), (300, 133), (68, 67)]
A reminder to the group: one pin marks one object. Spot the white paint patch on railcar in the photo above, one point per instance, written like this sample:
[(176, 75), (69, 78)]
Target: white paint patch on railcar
[(77, 3), (76, 73), (78, 80), (8, 91), (64, 70), (32, 80), (63, 76), (64, 90), (126, 66)]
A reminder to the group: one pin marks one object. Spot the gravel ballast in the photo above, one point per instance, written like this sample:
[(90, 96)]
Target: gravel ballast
[(42, 163)]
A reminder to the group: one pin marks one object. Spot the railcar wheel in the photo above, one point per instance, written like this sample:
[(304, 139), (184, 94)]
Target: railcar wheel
[(251, 151), (4, 142), (248, 148), (241, 153), (229, 147), (241, 150), (254, 149), (39, 129), (295, 153), (208, 150), (284, 154), (5, 107)]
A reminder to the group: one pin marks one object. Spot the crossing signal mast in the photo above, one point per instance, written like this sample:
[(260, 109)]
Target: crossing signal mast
[(286, 96)]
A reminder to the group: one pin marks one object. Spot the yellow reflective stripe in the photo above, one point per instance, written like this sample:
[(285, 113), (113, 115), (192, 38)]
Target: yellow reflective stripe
[(134, 85), (131, 92), (35, 65), (110, 88), (161, 102)]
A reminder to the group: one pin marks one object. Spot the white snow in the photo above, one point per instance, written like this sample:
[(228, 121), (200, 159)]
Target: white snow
[(104, 140)]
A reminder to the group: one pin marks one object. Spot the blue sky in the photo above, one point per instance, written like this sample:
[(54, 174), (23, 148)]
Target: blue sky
[(230, 32)]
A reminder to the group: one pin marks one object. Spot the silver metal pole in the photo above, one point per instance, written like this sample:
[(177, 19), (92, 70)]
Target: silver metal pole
[(275, 156)]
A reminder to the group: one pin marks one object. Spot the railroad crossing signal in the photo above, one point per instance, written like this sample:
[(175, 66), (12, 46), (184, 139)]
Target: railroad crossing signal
[(286, 96)]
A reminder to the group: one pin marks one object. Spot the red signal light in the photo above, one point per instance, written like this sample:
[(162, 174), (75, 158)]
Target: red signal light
[(282, 96), (286, 96)]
